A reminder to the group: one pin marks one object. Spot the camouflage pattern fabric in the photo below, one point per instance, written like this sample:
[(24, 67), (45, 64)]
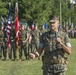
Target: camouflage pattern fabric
[(53, 69), (23, 35), (53, 52), (12, 44), (35, 35), (23, 46), (1, 36), (29, 44), (1, 43), (35, 39)]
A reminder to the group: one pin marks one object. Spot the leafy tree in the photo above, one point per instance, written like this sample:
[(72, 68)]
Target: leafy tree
[(38, 11), (3, 10), (34, 10)]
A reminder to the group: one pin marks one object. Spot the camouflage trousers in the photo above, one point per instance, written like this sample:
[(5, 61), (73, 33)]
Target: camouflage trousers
[(2, 50), (23, 47), (34, 45), (12, 49), (45, 72), (53, 69)]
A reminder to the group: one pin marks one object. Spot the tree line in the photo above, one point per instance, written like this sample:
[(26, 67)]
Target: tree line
[(38, 11)]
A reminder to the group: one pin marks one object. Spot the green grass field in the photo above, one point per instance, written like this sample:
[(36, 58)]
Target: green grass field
[(33, 67)]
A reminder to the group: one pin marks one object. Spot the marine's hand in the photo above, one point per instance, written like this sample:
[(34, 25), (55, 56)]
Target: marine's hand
[(59, 40), (32, 56)]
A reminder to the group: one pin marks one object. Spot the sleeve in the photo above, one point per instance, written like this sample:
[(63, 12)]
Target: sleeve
[(41, 43)]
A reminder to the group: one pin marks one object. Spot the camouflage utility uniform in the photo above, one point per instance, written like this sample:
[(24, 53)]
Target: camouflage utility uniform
[(35, 39), (12, 44), (2, 44), (23, 45), (29, 43), (54, 60)]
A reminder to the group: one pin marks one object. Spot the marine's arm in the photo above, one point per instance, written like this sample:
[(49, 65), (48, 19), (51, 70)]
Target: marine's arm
[(39, 51), (27, 38), (36, 53), (67, 48)]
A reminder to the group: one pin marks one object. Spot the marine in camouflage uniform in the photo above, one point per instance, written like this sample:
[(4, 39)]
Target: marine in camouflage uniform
[(2, 44), (35, 38), (29, 43), (5, 44), (12, 43), (55, 44), (23, 42)]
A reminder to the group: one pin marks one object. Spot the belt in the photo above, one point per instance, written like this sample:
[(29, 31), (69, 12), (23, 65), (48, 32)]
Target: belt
[(54, 61)]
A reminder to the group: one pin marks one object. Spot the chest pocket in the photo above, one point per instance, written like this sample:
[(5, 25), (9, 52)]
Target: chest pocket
[(23, 35), (49, 42), (61, 36)]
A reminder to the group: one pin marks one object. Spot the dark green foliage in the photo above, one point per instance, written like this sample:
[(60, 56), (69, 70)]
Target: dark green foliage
[(38, 11)]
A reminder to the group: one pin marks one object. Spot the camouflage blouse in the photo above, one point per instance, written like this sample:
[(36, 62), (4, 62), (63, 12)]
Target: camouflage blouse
[(50, 46)]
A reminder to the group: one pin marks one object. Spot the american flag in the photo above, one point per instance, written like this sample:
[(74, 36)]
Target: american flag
[(16, 23), (8, 27)]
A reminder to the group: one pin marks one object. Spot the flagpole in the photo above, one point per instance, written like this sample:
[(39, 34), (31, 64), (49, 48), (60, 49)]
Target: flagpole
[(60, 15), (16, 25)]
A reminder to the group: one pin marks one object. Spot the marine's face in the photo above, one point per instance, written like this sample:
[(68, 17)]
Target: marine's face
[(22, 27), (54, 25)]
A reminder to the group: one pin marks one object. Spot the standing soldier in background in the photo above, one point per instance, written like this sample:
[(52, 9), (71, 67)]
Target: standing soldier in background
[(29, 46), (35, 39), (2, 44), (5, 41), (55, 44), (12, 43), (23, 42)]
